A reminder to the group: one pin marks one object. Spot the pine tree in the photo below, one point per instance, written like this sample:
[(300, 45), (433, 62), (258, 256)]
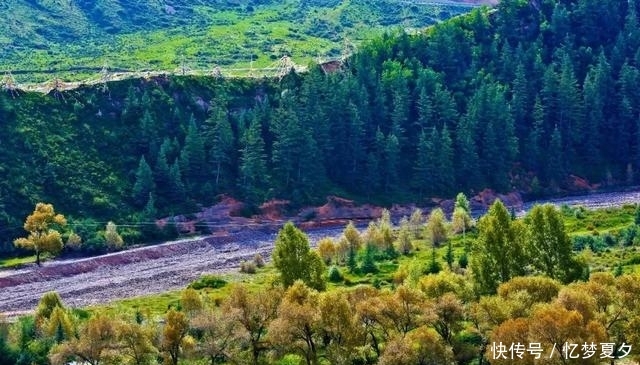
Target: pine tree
[(253, 166), (392, 162), (555, 169), (570, 108), (193, 160), (144, 184), (425, 110), (149, 137), (532, 154), (162, 175), (445, 172), (176, 186), (449, 257), (356, 153), (219, 135), (423, 169), (150, 212), (434, 266), (373, 174), (352, 263), (368, 260), (519, 103), (468, 161), (444, 107), (589, 146)]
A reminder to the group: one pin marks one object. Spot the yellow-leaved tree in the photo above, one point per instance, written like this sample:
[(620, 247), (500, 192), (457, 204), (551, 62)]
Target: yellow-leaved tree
[(43, 236)]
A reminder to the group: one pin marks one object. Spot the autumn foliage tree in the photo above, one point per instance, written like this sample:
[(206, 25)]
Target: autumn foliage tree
[(94, 345), (43, 235), (174, 335)]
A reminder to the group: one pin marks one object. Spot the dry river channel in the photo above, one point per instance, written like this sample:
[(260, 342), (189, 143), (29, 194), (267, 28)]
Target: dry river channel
[(173, 265)]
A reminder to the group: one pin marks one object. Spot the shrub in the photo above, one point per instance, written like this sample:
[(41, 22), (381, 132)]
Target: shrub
[(335, 276), (433, 267), (248, 267), (400, 275), (635, 260), (609, 240), (628, 235), (208, 281), (368, 263), (463, 260), (258, 260), (582, 242), (566, 210)]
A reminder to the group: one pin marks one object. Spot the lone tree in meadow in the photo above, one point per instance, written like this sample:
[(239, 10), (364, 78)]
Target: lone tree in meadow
[(42, 225), (295, 260)]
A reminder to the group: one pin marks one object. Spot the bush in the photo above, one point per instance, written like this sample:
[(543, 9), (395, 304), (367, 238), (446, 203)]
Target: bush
[(258, 260), (580, 212), (582, 242), (208, 281), (463, 261), (368, 262), (566, 210), (635, 260), (628, 235), (335, 276), (609, 240), (248, 267), (433, 267)]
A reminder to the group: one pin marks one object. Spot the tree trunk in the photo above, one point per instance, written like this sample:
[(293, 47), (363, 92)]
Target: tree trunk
[(38, 258)]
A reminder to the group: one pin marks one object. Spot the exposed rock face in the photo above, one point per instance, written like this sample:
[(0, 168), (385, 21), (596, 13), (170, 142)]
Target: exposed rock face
[(578, 183), (486, 197), (335, 212), (275, 209)]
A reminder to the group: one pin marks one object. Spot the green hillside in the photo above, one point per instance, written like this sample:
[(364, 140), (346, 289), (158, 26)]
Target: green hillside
[(73, 39)]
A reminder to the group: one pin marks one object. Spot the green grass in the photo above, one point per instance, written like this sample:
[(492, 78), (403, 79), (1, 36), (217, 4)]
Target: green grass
[(16, 262), (157, 304), (230, 36), (582, 221)]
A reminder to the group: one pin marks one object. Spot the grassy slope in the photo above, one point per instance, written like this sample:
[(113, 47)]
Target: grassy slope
[(608, 220), (44, 38)]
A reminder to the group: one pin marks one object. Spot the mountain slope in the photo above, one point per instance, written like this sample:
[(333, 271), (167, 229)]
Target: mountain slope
[(41, 38)]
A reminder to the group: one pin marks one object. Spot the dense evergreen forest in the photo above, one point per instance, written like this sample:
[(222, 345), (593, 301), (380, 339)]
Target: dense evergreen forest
[(513, 98)]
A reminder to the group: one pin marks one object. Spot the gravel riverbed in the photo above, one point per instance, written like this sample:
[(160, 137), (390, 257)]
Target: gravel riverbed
[(171, 266)]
